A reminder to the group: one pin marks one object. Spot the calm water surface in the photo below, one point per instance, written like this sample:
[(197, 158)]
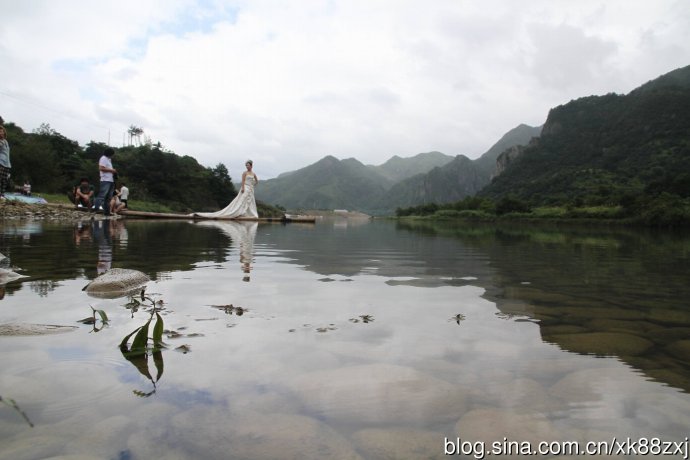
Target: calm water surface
[(355, 339)]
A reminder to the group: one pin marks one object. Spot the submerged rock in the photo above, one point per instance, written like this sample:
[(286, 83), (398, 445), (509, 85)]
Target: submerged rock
[(33, 329), (8, 275), (379, 394), (491, 425), (218, 433), (380, 444), (116, 282), (602, 343), (680, 349)]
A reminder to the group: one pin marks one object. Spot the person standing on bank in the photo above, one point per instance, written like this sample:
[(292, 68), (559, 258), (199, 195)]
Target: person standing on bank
[(5, 165), (107, 185)]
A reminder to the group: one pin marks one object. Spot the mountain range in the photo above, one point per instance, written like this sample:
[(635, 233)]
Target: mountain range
[(428, 177), (612, 150)]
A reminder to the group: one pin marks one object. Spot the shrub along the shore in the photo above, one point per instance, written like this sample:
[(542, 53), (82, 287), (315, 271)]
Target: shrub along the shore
[(663, 210)]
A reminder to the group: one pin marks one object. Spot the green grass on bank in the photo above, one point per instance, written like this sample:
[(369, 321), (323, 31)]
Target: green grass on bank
[(603, 213), (134, 205), (147, 206)]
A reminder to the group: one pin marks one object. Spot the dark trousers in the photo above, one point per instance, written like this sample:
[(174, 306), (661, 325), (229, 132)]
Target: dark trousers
[(4, 179)]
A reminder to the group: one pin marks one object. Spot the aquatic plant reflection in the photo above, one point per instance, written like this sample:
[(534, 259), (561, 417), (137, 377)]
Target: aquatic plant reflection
[(142, 346)]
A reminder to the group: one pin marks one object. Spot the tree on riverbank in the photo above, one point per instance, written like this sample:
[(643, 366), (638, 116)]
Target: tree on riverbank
[(53, 164)]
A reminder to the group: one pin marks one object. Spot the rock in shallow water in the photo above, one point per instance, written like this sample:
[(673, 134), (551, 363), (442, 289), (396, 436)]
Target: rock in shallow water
[(602, 343), (380, 444), (379, 394), (116, 282), (33, 329)]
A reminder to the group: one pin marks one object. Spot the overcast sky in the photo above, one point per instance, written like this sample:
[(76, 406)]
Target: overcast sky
[(288, 82)]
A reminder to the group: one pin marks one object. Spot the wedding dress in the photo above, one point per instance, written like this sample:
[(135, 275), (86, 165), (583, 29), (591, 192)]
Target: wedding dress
[(244, 204)]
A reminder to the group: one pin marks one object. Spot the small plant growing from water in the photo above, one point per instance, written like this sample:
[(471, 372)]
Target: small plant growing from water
[(458, 318), (93, 321), (138, 350), (13, 404)]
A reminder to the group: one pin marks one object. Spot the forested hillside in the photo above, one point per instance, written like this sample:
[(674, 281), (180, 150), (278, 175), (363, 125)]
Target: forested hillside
[(54, 164), (327, 184), (454, 181), (628, 150)]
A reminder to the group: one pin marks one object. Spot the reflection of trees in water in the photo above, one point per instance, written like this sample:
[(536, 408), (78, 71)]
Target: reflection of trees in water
[(43, 287), (57, 251), (595, 291)]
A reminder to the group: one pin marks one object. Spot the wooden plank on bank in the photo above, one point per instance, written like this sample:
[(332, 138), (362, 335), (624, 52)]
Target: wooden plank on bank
[(167, 215)]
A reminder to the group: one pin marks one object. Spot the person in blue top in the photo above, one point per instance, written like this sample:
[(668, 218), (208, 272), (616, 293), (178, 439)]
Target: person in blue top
[(107, 185), (5, 165)]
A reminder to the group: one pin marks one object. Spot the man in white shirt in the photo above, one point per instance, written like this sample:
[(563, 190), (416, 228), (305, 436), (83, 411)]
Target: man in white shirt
[(107, 185)]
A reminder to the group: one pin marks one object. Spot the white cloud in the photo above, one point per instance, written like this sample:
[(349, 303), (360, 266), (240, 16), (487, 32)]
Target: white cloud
[(287, 84)]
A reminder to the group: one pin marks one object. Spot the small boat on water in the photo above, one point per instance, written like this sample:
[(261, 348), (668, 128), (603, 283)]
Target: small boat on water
[(165, 215)]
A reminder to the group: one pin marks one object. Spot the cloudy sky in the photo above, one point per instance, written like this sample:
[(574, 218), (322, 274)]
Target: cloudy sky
[(286, 83)]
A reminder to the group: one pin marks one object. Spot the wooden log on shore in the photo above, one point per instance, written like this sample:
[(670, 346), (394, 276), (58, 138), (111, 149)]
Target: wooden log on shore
[(166, 215)]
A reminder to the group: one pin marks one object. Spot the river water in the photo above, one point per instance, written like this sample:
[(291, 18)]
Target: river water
[(344, 339)]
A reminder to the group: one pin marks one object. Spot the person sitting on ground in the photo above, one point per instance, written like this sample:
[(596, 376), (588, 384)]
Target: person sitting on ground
[(124, 195), (116, 205), (83, 194), (26, 189)]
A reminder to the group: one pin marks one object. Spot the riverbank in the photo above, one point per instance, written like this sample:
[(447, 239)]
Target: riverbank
[(590, 216), (10, 209)]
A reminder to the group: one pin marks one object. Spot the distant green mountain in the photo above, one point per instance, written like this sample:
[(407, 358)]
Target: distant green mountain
[(452, 182), (456, 180), (329, 183), (520, 135), (607, 150), (397, 168), (426, 177), (344, 184)]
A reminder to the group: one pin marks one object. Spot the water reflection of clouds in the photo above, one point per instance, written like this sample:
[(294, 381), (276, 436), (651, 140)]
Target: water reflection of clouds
[(491, 372)]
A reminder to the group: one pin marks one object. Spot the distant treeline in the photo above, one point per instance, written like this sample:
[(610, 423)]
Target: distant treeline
[(656, 210), (53, 163)]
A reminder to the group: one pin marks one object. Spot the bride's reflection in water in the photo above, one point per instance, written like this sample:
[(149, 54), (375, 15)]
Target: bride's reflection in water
[(242, 234)]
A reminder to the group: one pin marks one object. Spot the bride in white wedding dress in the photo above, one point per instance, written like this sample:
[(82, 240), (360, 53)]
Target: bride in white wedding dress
[(244, 204)]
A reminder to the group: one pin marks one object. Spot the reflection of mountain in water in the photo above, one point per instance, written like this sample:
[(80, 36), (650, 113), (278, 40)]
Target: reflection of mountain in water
[(595, 291), (606, 293), (592, 291), (333, 247)]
